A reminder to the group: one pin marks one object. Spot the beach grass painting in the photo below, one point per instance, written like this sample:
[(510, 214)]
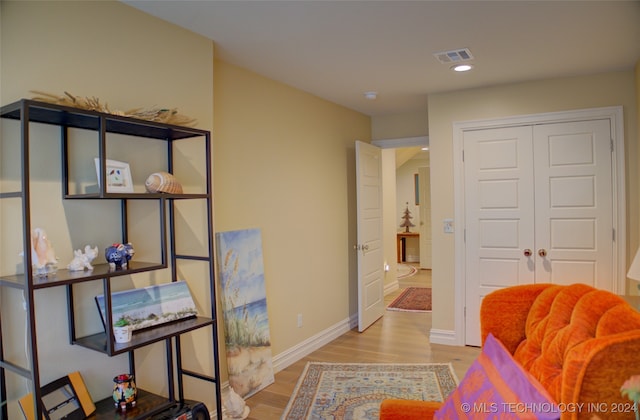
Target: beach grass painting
[(244, 303), (150, 306)]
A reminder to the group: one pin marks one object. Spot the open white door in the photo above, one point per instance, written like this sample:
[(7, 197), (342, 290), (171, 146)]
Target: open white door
[(369, 223)]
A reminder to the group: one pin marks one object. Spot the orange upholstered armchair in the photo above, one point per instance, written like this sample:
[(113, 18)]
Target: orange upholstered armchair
[(579, 343)]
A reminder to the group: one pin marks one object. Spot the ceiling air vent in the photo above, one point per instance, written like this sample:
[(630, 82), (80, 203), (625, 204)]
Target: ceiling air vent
[(454, 56)]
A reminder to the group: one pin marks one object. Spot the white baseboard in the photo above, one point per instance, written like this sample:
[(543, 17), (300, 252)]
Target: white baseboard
[(446, 337), (391, 287), (297, 352)]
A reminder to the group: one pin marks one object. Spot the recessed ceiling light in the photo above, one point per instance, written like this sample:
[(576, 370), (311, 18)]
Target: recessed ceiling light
[(462, 67), (371, 95)]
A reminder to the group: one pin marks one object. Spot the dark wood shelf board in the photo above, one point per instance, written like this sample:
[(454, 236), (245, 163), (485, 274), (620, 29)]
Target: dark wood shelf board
[(98, 342), (134, 196), (47, 113), (147, 404), (63, 276)]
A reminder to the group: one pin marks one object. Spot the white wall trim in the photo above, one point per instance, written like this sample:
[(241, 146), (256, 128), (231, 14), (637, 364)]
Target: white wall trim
[(446, 337), (615, 115), (391, 287), (401, 142), (302, 349)]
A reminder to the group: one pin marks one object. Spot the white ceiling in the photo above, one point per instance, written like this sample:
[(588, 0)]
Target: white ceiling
[(340, 49)]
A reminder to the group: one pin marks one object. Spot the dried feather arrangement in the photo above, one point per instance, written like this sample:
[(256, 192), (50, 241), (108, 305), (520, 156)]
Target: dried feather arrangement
[(164, 115)]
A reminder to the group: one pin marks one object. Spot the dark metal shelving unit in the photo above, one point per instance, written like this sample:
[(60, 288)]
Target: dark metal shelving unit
[(28, 111)]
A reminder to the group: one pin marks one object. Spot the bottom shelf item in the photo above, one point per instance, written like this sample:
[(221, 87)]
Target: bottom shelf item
[(66, 398), (193, 410), (147, 405)]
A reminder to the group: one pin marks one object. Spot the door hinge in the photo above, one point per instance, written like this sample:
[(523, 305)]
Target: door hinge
[(462, 155), (465, 311), (611, 145), (613, 236)]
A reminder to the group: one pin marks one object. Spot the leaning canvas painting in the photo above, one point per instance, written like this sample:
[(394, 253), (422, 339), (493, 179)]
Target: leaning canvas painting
[(244, 303)]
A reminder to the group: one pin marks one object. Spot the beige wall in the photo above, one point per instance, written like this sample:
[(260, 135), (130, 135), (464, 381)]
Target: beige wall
[(412, 124), (285, 164), (128, 59), (594, 91)]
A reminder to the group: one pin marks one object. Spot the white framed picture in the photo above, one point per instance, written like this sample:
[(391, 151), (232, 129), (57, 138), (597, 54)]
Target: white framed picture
[(118, 176)]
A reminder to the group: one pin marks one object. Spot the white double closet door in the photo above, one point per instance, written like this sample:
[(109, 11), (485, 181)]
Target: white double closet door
[(538, 209)]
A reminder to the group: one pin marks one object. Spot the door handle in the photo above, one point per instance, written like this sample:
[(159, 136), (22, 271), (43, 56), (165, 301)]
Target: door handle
[(527, 252), (542, 252)]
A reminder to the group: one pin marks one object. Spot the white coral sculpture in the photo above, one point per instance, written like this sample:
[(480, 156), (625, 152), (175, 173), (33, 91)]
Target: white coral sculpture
[(83, 260)]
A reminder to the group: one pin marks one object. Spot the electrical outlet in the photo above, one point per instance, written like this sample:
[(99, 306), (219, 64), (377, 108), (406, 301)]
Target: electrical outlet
[(448, 225), (299, 320)]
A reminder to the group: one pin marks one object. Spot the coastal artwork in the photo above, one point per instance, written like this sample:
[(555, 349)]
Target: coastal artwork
[(150, 306), (244, 303)]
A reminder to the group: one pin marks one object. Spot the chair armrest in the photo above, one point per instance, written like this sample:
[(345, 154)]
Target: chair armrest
[(504, 312), (595, 370), (392, 409)]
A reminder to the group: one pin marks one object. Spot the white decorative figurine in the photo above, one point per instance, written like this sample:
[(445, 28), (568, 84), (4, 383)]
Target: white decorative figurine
[(235, 407), (81, 261), (43, 258)]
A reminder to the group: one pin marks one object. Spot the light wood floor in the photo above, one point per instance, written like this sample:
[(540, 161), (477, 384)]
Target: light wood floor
[(398, 337)]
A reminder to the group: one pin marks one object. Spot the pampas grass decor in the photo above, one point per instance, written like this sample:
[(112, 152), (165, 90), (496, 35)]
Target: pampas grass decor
[(163, 115)]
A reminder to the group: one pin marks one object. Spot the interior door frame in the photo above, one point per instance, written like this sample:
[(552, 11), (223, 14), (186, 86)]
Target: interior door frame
[(615, 116)]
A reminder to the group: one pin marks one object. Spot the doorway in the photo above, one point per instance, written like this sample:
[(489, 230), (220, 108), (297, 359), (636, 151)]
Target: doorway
[(413, 208), (396, 152)]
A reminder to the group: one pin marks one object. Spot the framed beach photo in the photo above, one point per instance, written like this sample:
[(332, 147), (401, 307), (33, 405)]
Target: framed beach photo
[(118, 176), (150, 306)]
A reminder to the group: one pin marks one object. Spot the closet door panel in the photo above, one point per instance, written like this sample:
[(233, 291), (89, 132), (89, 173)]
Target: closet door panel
[(573, 203), (499, 215)]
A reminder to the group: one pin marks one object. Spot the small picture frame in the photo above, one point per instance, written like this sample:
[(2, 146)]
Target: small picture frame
[(118, 176)]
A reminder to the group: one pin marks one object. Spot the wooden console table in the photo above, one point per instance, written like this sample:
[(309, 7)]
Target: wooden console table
[(401, 245)]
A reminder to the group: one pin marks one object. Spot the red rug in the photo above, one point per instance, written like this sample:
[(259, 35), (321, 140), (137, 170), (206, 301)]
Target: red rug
[(412, 299)]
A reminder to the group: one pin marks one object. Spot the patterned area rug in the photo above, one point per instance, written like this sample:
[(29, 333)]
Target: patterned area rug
[(406, 270), (354, 391), (412, 299)]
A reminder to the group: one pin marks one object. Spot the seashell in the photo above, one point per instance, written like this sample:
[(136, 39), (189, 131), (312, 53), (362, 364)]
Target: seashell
[(234, 404), (163, 182)]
